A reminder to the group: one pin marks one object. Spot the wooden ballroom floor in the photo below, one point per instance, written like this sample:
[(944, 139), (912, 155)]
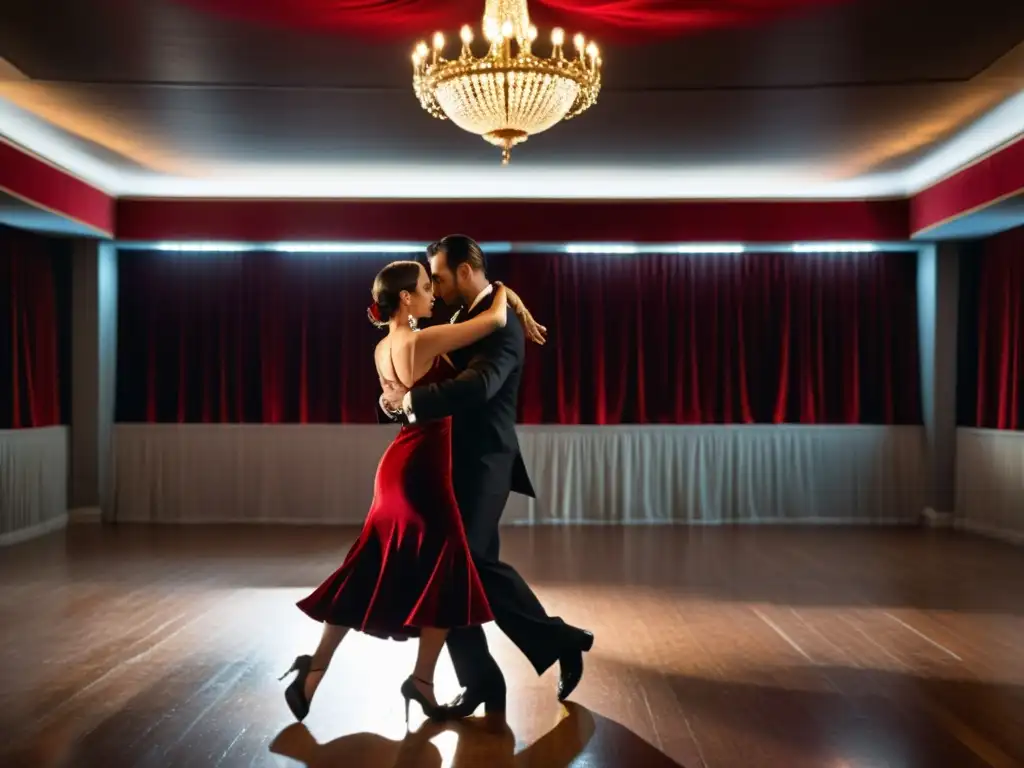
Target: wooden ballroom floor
[(824, 648)]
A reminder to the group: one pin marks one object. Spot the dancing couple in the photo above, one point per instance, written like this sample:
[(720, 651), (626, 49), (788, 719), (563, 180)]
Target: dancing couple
[(427, 562)]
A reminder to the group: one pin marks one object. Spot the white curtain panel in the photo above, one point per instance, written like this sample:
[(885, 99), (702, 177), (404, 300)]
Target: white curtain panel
[(990, 482), (172, 473), (33, 482)]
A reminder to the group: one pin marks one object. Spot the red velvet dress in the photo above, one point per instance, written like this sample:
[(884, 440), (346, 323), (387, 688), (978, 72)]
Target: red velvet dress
[(411, 566)]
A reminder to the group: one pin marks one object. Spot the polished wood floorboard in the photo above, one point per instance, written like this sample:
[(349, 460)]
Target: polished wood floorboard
[(824, 648)]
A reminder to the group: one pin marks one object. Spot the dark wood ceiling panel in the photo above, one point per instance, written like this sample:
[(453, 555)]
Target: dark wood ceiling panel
[(842, 91)]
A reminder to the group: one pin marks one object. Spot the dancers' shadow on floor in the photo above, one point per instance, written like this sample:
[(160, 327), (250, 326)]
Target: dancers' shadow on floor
[(483, 741)]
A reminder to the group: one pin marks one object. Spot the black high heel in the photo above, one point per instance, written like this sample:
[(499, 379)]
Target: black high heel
[(411, 693), (295, 694)]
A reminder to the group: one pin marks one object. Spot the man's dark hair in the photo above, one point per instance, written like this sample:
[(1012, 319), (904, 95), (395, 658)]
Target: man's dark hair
[(459, 249)]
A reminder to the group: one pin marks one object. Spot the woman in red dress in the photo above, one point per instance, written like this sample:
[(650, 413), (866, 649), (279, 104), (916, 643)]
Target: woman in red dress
[(410, 573)]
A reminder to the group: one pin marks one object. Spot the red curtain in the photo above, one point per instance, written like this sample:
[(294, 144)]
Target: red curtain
[(605, 20), (246, 337), (30, 330), (663, 338), (993, 302), (722, 338)]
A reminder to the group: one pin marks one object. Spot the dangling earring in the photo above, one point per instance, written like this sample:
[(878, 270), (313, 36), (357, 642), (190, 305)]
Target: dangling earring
[(412, 322)]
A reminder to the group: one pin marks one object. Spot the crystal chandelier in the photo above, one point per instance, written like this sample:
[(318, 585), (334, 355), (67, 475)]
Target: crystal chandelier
[(509, 94)]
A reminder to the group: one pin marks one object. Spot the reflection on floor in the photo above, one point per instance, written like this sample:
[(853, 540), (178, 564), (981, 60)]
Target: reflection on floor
[(160, 646)]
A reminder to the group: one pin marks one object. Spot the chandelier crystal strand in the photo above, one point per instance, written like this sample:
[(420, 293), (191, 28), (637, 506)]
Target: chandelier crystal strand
[(510, 93)]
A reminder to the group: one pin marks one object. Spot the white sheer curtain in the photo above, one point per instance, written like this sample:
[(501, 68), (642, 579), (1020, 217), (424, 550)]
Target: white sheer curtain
[(33, 482), (700, 475), (990, 482)]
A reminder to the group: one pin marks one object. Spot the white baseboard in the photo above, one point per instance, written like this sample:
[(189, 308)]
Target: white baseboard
[(935, 519), (17, 537), (1003, 534), (85, 515)]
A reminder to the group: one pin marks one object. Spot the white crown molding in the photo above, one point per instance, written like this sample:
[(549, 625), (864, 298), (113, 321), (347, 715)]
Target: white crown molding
[(995, 129)]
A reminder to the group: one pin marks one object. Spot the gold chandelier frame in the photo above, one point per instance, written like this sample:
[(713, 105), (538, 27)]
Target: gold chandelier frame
[(510, 93)]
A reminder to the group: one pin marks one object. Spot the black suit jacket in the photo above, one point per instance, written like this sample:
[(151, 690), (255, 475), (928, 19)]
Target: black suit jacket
[(482, 402)]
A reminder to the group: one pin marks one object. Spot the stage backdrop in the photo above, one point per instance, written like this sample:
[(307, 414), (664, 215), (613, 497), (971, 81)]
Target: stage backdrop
[(34, 362), (646, 352), (990, 440)]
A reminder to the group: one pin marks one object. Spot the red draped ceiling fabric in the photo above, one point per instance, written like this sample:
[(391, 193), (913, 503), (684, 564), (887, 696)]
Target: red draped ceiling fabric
[(607, 20), (999, 307), (660, 338), (30, 381)]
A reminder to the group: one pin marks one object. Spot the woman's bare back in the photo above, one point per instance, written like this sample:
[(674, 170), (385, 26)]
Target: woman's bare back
[(398, 365)]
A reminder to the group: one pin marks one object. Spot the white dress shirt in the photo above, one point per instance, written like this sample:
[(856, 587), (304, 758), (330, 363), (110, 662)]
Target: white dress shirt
[(407, 400)]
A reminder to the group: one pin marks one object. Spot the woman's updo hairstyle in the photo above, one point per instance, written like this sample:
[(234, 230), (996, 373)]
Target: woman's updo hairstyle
[(396, 277)]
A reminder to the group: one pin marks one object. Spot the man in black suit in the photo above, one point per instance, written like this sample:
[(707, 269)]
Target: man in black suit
[(486, 467)]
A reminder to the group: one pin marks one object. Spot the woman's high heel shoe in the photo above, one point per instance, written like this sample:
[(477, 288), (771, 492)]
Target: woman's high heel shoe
[(295, 694), (411, 693)]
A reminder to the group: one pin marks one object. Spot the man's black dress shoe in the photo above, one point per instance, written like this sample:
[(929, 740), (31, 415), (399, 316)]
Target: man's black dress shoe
[(571, 663), (467, 702)]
